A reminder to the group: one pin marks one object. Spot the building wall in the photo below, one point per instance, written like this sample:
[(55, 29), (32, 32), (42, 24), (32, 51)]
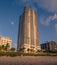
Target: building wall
[(28, 35), (5, 40), (50, 46)]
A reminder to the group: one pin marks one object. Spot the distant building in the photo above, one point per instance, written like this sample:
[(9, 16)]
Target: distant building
[(49, 46), (5, 40), (28, 35)]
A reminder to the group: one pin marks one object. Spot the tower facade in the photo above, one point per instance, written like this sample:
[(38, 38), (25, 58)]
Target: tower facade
[(28, 35)]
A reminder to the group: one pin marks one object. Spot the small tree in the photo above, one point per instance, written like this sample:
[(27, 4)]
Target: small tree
[(28, 50), (3, 47), (24, 48), (0, 48), (7, 47), (12, 49)]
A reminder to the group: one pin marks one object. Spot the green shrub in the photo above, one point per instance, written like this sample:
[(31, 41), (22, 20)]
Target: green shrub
[(13, 54)]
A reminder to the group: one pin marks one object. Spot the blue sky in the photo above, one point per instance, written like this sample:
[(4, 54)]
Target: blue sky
[(10, 10)]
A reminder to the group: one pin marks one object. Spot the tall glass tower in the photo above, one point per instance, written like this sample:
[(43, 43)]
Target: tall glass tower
[(28, 35)]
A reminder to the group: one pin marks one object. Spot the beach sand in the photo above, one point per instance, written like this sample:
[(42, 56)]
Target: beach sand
[(28, 60)]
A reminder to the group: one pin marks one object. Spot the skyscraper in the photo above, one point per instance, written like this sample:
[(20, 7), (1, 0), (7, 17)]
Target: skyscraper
[(28, 35)]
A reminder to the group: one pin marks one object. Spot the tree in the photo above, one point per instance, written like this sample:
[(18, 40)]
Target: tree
[(24, 48), (28, 50), (3, 47), (32, 50), (12, 49), (0, 48), (7, 47)]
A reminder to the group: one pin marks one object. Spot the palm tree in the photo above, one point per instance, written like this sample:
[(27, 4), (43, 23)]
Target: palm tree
[(3, 47), (7, 47)]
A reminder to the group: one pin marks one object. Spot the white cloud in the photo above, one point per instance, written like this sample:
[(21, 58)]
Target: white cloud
[(54, 17), (12, 23), (49, 5), (47, 20), (56, 28)]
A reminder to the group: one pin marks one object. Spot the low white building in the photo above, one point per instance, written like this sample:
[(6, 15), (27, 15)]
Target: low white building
[(5, 40)]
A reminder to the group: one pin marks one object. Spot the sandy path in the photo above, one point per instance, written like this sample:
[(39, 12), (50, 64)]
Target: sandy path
[(28, 60)]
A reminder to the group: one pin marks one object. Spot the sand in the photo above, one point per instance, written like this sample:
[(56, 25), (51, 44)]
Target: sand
[(28, 60)]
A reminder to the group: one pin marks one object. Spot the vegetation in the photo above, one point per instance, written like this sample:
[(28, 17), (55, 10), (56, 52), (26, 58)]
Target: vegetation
[(20, 53), (13, 54), (12, 49), (4, 47)]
